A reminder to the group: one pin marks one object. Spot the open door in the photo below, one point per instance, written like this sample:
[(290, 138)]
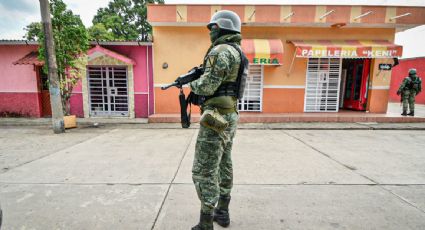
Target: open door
[(355, 96)]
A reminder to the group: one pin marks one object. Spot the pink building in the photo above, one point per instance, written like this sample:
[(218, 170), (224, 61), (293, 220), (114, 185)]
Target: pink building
[(117, 83), (401, 71)]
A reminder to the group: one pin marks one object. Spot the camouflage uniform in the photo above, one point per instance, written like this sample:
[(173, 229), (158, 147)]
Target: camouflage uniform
[(409, 88), (212, 171)]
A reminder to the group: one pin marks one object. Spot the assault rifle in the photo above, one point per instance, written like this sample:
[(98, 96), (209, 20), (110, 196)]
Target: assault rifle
[(184, 79)]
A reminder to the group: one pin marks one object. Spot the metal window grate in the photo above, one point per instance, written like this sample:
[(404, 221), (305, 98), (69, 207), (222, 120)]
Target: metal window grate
[(253, 95), (108, 90), (322, 85)]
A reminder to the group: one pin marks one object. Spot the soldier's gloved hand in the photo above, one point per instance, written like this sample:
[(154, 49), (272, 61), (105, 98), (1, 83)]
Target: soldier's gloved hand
[(398, 92)]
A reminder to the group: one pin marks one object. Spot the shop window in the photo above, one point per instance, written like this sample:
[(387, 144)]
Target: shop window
[(253, 95), (322, 85)]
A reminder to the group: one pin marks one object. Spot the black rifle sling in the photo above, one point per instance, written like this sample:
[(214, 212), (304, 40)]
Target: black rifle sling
[(184, 116), (241, 80)]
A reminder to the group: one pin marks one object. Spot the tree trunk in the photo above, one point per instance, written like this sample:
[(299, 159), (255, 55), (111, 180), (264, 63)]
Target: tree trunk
[(55, 98)]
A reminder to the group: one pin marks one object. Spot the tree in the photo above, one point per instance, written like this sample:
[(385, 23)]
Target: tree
[(33, 31), (99, 32), (126, 19), (71, 44)]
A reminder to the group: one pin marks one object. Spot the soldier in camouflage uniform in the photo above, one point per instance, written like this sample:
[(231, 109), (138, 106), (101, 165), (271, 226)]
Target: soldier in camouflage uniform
[(212, 171), (409, 88)]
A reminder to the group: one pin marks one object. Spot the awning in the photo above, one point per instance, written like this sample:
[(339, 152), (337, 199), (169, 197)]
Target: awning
[(263, 51), (347, 49), (29, 59)]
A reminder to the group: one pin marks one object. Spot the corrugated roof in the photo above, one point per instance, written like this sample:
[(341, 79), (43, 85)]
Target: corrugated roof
[(117, 42), (17, 42), (101, 42)]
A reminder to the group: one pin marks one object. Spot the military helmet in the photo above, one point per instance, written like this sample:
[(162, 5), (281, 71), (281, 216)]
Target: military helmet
[(412, 71), (226, 19)]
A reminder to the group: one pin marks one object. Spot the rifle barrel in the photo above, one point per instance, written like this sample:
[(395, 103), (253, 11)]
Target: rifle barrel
[(170, 85)]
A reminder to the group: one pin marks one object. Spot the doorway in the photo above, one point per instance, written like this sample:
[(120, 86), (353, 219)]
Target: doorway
[(43, 88), (355, 79), (108, 91), (322, 85)]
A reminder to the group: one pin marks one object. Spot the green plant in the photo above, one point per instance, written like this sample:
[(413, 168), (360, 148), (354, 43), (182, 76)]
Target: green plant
[(71, 43), (126, 19)]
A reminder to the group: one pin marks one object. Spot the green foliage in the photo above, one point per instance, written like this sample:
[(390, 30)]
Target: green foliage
[(33, 31), (126, 19), (71, 44), (99, 32)]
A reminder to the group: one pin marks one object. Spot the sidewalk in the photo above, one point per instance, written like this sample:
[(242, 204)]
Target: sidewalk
[(343, 116), (129, 178), (343, 120)]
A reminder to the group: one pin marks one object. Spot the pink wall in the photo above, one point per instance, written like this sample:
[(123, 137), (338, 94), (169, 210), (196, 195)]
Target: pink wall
[(24, 104), (143, 93), (16, 78), (401, 71), (76, 102), (18, 83), (21, 81), (143, 86)]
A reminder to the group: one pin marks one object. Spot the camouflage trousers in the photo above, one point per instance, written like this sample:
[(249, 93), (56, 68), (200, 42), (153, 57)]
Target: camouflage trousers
[(212, 170), (409, 100)]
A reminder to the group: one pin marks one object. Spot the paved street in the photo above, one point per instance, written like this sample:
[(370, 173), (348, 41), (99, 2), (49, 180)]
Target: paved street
[(119, 177)]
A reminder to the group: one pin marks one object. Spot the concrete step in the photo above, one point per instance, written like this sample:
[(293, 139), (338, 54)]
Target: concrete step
[(347, 117)]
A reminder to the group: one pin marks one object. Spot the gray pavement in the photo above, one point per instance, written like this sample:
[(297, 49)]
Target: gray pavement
[(394, 110), (125, 177)]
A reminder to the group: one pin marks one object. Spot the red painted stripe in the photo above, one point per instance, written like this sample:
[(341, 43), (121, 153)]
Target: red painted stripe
[(276, 50), (248, 48)]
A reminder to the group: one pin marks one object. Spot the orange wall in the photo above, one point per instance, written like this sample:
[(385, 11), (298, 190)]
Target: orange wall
[(184, 47)]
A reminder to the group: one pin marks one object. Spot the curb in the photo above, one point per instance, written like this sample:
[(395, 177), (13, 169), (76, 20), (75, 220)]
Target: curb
[(241, 126)]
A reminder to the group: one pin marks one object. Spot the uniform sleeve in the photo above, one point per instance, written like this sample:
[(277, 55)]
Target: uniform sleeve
[(402, 85), (216, 67)]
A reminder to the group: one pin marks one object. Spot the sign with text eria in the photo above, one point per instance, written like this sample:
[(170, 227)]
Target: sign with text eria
[(263, 51)]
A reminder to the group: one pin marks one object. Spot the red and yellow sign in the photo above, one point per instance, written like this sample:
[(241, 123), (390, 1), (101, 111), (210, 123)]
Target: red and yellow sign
[(347, 49), (263, 51)]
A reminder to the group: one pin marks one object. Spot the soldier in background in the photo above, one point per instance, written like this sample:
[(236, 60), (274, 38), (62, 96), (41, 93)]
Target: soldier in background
[(212, 171), (409, 88)]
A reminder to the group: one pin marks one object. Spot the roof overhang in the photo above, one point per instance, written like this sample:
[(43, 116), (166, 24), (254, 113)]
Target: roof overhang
[(30, 59), (398, 17), (17, 42)]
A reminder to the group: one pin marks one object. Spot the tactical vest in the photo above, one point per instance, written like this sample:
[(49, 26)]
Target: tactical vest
[(413, 84), (233, 85)]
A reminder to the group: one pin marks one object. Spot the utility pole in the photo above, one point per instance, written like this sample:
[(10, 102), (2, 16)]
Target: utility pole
[(55, 97)]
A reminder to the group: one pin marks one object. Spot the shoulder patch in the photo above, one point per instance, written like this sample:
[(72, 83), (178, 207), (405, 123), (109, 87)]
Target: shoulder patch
[(210, 61)]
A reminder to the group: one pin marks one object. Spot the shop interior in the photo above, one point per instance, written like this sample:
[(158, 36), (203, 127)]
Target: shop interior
[(355, 75)]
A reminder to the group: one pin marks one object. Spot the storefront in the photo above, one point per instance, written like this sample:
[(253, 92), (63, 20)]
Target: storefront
[(117, 83), (302, 58)]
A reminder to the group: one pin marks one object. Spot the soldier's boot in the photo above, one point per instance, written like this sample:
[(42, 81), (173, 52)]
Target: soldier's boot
[(404, 113), (412, 113), (221, 213), (205, 222)]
